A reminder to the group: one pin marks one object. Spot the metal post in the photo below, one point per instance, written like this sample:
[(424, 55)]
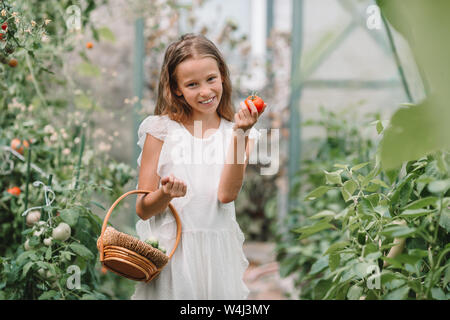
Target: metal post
[(296, 87), (397, 60), (138, 82), (138, 85), (269, 27)]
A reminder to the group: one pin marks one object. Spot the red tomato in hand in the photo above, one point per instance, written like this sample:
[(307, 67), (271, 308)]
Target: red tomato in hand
[(257, 101)]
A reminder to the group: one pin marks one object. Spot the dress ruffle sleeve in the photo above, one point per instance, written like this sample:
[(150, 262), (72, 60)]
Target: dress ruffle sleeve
[(154, 125)]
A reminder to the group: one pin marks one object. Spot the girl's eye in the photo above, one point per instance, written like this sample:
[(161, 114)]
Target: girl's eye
[(191, 84), (212, 78)]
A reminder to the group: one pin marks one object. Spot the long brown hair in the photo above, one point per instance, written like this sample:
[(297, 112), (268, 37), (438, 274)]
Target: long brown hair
[(190, 46)]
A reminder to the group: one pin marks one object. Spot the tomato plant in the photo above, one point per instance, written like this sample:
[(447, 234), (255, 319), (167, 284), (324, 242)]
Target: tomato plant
[(47, 221), (389, 227)]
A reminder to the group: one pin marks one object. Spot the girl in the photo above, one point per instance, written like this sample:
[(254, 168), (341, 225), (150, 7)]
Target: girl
[(192, 122)]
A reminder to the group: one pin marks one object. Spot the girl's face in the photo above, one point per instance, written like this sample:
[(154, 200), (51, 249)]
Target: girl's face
[(200, 82)]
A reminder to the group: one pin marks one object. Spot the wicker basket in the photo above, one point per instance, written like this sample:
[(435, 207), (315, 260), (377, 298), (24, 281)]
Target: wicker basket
[(130, 257)]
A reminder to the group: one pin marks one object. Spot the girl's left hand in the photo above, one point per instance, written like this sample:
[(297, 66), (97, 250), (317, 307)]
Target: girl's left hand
[(245, 120)]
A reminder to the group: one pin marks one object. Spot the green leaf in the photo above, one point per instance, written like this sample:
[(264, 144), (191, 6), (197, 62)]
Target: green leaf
[(398, 294), (383, 211), (48, 295), (355, 292), (447, 275), (287, 266), (319, 265), (394, 284), (372, 174), (399, 194), (416, 213), (321, 288), (439, 186), (408, 258), (309, 230), (438, 294), (379, 127), (398, 231), (388, 276), (361, 269), (106, 34), (418, 253), (81, 250), (348, 189), (370, 249), (418, 130), (323, 214), (98, 205), (373, 256), (359, 166), (380, 183), (365, 206), (26, 268), (318, 192), (444, 220), (48, 253), (442, 163), (420, 203), (337, 246), (409, 137), (24, 256), (334, 261), (70, 216), (392, 175), (333, 177)]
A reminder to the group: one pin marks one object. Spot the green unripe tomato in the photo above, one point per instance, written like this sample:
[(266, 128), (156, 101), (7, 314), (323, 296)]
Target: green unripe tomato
[(61, 232)]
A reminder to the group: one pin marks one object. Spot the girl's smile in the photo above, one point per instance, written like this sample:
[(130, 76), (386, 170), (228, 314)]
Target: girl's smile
[(209, 102)]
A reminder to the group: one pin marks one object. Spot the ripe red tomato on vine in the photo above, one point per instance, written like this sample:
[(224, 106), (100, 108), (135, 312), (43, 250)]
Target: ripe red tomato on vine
[(5, 26), (257, 101), (19, 145), (15, 191)]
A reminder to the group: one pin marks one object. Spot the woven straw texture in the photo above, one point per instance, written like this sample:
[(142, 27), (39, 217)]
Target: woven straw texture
[(112, 237)]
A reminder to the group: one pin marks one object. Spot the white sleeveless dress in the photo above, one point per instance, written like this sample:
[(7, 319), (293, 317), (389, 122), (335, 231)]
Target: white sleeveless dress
[(209, 261)]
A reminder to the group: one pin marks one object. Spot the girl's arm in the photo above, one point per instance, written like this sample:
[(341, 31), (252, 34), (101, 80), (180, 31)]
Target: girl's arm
[(234, 168), (152, 204), (148, 205), (233, 171)]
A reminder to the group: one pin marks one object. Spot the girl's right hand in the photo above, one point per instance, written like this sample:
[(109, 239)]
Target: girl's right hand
[(173, 187)]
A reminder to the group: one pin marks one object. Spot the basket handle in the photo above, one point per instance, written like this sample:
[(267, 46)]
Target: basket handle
[(105, 221)]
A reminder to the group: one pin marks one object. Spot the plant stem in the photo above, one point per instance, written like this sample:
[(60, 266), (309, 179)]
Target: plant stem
[(28, 176), (33, 79), (79, 160), (436, 228)]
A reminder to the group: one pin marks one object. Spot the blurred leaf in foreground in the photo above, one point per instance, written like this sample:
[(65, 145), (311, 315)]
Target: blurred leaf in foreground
[(417, 130)]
